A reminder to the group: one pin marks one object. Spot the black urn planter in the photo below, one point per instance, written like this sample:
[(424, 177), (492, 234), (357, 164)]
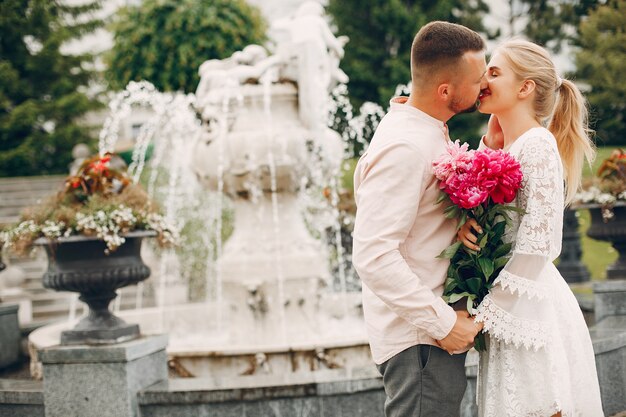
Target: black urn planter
[(612, 230), (80, 264), (570, 266)]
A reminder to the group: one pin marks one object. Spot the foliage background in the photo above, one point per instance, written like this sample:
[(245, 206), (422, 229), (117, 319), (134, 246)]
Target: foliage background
[(601, 65), (377, 57), (165, 41), (42, 91)]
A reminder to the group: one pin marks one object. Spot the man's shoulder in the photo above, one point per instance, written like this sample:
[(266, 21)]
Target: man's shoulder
[(399, 126)]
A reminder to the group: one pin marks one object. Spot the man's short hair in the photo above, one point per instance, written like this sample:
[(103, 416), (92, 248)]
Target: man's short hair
[(440, 45)]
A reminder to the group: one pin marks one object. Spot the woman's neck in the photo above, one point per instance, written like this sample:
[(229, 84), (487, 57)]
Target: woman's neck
[(514, 124)]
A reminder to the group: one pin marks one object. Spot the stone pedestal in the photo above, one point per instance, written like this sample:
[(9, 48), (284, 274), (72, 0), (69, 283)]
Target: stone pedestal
[(609, 298), (9, 335), (23, 300), (101, 381), (609, 343)]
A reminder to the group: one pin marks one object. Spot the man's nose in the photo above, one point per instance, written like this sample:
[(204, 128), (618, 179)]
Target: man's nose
[(483, 82)]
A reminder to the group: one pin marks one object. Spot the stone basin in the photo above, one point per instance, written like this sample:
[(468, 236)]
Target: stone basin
[(199, 346)]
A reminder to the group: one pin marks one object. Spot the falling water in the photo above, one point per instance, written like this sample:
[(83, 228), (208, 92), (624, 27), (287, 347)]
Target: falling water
[(169, 130), (338, 243), (266, 81), (223, 126), (73, 307), (170, 127)]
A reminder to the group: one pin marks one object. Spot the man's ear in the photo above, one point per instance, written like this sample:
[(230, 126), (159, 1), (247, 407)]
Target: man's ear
[(444, 92), (526, 89)]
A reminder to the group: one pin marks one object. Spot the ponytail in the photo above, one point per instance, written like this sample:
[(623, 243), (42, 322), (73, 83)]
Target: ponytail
[(569, 127)]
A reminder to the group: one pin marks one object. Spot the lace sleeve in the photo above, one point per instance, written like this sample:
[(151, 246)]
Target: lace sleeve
[(516, 305)]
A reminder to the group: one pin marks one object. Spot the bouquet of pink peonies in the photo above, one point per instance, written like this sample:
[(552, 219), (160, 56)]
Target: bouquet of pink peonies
[(478, 185)]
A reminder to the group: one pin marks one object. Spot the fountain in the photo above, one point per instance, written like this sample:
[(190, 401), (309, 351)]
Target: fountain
[(276, 334), (261, 144)]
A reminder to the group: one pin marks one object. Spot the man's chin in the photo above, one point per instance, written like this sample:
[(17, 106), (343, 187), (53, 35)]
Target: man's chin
[(470, 109)]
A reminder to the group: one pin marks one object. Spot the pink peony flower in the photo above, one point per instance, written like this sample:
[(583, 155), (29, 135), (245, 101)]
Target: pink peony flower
[(470, 177), (497, 172), (457, 160), (469, 197)]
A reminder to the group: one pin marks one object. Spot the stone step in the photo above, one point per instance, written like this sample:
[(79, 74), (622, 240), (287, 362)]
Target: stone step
[(50, 297), (44, 182), (33, 287), (11, 211), (9, 202), (30, 194), (20, 192), (33, 282), (54, 312), (8, 220), (35, 268), (34, 274), (62, 310)]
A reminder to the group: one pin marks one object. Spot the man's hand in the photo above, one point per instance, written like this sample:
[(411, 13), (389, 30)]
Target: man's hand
[(466, 236), (494, 138), (461, 337)]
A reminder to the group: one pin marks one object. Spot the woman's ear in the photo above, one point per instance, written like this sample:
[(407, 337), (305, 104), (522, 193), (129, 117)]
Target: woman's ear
[(526, 89)]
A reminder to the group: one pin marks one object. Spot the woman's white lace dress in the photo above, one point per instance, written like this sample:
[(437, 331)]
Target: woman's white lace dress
[(539, 359)]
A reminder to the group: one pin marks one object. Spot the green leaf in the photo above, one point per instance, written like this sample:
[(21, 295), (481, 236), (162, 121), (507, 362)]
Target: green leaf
[(462, 220), (470, 304), (474, 284), (441, 198), (456, 297), (502, 250), (487, 266), (483, 241), (451, 284), (450, 251), (470, 251), (500, 262), (451, 212), (512, 208), (498, 229)]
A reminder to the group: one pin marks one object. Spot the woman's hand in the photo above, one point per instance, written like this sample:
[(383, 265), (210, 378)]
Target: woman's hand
[(466, 234), (494, 138)]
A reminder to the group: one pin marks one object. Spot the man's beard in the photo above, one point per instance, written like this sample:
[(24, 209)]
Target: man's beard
[(454, 106)]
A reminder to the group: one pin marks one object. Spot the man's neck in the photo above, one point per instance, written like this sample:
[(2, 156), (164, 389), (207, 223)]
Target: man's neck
[(423, 103)]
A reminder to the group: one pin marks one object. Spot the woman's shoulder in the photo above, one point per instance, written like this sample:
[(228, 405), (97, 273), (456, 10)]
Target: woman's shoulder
[(538, 151), (537, 139), (537, 134)]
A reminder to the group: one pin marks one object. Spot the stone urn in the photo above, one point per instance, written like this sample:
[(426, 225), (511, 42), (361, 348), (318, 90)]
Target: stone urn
[(80, 264), (611, 229)]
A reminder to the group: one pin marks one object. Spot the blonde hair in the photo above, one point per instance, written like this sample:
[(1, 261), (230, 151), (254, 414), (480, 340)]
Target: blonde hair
[(558, 104)]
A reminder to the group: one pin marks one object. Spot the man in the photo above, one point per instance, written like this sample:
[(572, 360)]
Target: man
[(399, 229)]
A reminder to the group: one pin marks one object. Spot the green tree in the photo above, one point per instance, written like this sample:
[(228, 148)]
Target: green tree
[(550, 23), (41, 89), (377, 57), (601, 64), (165, 41)]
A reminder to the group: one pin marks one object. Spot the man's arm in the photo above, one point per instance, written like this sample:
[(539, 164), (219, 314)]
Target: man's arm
[(388, 188)]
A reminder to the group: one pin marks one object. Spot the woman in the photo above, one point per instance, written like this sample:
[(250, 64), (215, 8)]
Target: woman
[(539, 361)]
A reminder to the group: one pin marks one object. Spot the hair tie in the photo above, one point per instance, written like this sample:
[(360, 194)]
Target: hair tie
[(559, 82)]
